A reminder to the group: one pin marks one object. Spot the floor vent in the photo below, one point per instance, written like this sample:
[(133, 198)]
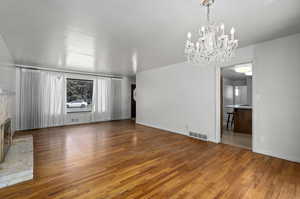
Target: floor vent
[(198, 135)]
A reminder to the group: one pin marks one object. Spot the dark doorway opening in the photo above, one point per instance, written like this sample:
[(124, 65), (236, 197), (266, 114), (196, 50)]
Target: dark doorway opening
[(133, 102)]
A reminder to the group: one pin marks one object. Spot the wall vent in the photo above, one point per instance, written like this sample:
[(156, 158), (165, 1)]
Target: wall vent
[(198, 135), (75, 120)]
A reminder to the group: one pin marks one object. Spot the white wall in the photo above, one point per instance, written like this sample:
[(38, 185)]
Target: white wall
[(177, 98), (178, 95), (7, 84), (277, 98), (126, 98), (182, 97), (249, 90)]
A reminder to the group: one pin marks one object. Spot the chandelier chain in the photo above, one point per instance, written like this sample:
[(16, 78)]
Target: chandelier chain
[(208, 13)]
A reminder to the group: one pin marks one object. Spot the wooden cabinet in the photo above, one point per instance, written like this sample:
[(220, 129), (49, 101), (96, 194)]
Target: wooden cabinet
[(243, 120)]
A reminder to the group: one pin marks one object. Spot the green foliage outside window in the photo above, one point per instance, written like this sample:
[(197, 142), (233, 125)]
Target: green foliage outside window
[(78, 89)]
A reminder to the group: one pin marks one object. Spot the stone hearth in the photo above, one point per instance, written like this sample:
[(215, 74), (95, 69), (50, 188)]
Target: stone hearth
[(18, 164)]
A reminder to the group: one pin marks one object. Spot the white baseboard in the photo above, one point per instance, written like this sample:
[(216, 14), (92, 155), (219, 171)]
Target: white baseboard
[(280, 156), (170, 130), (213, 140), (162, 128)]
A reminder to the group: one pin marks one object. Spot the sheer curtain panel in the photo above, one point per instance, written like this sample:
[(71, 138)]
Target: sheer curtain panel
[(115, 102), (42, 99), (102, 108)]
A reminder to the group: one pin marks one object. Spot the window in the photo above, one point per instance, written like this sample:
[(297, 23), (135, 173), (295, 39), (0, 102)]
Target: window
[(79, 95), (236, 91)]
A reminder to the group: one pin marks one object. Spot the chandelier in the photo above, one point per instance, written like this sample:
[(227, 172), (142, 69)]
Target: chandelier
[(213, 45)]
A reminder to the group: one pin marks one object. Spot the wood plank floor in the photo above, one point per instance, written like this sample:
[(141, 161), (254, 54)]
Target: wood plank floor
[(123, 160)]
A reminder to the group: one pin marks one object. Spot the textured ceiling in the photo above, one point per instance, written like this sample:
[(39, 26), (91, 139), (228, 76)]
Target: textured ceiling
[(120, 37)]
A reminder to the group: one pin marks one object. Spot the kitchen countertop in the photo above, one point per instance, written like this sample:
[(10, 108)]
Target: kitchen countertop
[(239, 106)]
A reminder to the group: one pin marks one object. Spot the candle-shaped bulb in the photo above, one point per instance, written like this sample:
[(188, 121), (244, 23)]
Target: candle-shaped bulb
[(189, 35), (222, 28), (203, 29), (232, 33), (197, 45)]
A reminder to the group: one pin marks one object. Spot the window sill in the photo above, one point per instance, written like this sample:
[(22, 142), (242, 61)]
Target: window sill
[(70, 112)]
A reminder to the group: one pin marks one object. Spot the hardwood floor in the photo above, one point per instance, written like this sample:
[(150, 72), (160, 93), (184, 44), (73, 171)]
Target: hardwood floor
[(123, 160), (241, 140)]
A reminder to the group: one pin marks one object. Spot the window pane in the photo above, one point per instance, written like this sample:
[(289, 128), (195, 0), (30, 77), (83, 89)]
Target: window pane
[(79, 95)]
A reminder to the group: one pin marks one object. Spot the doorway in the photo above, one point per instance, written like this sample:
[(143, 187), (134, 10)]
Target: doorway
[(133, 101), (236, 105)]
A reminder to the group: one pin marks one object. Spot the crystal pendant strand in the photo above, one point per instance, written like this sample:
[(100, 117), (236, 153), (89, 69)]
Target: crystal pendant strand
[(213, 45)]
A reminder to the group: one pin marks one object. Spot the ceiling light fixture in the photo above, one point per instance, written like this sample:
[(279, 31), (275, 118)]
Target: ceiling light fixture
[(248, 73), (213, 45), (243, 69)]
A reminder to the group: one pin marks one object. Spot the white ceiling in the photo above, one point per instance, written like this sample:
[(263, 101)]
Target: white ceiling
[(116, 36)]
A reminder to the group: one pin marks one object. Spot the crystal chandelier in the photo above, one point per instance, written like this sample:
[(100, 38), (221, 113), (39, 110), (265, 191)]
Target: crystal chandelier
[(213, 45)]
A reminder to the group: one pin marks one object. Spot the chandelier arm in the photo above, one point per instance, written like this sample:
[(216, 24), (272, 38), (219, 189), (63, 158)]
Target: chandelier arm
[(208, 13)]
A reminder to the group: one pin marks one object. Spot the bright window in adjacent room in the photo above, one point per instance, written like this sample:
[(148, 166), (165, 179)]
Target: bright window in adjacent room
[(236, 91), (79, 95)]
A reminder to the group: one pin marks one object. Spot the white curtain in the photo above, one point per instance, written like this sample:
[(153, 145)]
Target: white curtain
[(116, 99), (108, 99), (42, 99), (101, 99)]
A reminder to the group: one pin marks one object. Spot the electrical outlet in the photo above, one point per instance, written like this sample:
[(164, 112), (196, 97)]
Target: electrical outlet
[(187, 128)]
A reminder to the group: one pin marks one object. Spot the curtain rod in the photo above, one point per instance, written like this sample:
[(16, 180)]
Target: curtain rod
[(67, 71)]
